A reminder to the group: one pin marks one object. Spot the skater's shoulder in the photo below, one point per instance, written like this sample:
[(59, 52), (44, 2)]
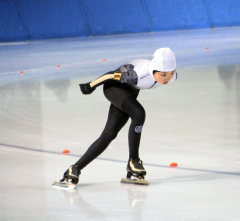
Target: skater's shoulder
[(139, 62), (140, 65)]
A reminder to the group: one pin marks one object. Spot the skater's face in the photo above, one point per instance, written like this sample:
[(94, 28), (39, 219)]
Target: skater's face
[(163, 77)]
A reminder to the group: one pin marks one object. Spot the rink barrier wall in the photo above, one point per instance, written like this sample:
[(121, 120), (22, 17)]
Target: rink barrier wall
[(42, 19)]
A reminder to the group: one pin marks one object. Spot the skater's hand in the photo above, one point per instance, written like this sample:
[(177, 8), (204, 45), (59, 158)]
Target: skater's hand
[(86, 88)]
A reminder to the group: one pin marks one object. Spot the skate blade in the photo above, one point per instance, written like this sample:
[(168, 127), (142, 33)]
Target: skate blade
[(63, 185), (135, 181)]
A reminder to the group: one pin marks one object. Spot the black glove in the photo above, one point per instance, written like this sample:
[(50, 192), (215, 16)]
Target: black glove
[(129, 76), (86, 88)]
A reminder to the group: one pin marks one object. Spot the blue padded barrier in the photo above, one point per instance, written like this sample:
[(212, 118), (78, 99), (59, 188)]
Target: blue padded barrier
[(107, 17), (223, 12), (39, 19), (52, 18), (11, 27), (177, 14)]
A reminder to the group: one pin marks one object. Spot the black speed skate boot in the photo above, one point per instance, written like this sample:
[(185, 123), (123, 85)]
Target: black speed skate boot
[(135, 168), (72, 174), (70, 178)]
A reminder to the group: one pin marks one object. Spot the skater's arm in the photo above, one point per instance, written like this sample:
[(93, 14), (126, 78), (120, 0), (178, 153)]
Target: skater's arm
[(124, 74), (88, 88), (105, 78)]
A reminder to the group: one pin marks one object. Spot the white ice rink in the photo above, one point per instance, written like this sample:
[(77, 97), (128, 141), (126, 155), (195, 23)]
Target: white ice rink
[(194, 122)]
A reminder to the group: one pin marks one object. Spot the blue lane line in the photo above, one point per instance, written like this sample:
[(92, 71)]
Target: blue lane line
[(121, 161)]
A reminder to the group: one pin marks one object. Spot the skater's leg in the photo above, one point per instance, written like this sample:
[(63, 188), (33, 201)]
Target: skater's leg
[(135, 166), (137, 113), (116, 120), (124, 97)]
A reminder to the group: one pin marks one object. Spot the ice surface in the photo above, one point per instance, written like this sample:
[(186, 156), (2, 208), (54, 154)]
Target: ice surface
[(194, 121)]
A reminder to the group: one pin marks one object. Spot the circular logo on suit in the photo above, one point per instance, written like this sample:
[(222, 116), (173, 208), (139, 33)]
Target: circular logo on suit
[(138, 129)]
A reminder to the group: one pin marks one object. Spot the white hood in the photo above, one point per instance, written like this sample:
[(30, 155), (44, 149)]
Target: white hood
[(163, 60)]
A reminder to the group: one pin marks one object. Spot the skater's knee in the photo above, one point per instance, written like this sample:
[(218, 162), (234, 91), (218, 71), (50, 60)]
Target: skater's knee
[(109, 135), (139, 114), (134, 109)]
